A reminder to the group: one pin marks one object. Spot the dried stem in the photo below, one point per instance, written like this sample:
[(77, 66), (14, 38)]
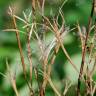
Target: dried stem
[(84, 50), (57, 34), (29, 56), (94, 39), (29, 32), (53, 87), (12, 79), (19, 42), (20, 47)]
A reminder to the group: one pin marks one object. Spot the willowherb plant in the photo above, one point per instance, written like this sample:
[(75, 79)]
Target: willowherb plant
[(48, 52)]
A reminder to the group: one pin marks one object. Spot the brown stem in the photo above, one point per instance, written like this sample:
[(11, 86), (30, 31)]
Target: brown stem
[(30, 58), (29, 30), (19, 45), (84, 50)]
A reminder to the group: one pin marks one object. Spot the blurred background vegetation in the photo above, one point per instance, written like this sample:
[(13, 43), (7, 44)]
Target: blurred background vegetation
[(74, 11)]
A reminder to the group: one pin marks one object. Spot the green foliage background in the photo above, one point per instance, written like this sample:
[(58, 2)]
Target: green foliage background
[(74, 11)]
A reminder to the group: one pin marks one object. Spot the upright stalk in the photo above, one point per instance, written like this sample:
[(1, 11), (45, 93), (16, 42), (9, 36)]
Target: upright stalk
[(84, 50)]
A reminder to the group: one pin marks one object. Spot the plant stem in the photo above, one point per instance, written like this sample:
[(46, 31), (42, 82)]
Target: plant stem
[(19, 45), (84, 50)]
